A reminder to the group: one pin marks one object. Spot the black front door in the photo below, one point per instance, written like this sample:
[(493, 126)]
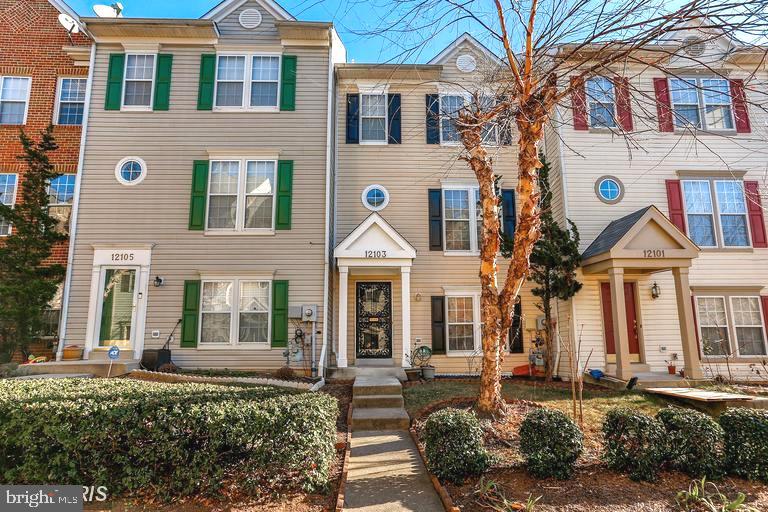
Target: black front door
[(374, 320)]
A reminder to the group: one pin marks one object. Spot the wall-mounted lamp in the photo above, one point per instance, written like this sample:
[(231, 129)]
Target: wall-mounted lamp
[(655, 291), (158, 282), (418, 297)]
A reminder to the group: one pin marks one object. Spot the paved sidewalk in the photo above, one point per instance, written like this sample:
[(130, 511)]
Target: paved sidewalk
[(386, 475)]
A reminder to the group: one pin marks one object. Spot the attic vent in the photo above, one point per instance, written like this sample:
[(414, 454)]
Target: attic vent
[(250, 18), (693, 46), (466, 63)]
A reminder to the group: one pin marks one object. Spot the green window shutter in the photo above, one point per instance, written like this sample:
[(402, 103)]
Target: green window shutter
[(279, 313), (114, 94), (288, 83), (284, 194), (190, 313), (163, 82), (199, 195), (207, 81)]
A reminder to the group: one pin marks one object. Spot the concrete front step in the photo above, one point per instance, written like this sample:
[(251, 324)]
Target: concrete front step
[(376, 386), (353, 372), (378, 401), (93, 367), (389, 418)]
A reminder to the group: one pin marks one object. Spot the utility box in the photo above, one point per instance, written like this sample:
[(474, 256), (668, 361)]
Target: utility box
[(309, 312)]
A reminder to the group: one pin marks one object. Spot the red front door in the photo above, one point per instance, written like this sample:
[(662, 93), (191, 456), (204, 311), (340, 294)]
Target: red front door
[(632, 327)]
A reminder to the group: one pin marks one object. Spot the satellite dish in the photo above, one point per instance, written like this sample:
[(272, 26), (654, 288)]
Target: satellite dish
[(109, 11), (69, 23)]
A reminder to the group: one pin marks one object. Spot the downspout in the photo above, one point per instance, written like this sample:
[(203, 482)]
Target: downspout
[(75, 207)]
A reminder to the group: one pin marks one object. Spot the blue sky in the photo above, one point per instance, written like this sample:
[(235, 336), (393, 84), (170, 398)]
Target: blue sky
[(355, 20)]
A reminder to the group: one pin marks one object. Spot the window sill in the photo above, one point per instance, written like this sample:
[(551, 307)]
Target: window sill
[(245, 110), (466, 353), (373, 143), (135, 109), (742, 250), (703, 131), (461, 253), (260, 232), (234, 346), (733, 359)]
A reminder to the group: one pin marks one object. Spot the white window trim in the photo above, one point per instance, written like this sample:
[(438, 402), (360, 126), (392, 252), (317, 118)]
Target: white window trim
[(727, 326), (467, 98), (57, 106), (247, 82), (119, 176), (474, 245), (386, 119), (234, 322), (713, 191), (239, 228), (476, 330), (737, 352), (701, 104), (713, 214), (13, 203), (364, 198), (26, 102), (614, 113), (139, 108)]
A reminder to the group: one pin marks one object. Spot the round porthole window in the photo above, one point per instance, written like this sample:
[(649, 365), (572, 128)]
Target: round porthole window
[(609, 189), (375, 198), (131, 170)]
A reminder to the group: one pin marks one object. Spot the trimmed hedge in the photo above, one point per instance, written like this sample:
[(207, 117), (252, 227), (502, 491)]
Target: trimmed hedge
[(550, 442), (453, 441), (634, 443), (170, 439), (746, 442), (696, 442)]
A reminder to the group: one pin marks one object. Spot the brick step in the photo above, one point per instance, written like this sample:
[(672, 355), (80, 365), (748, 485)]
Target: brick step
[(389, 418), (367, 386), (378, 401)]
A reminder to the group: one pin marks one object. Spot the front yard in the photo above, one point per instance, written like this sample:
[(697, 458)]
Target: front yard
[(593, 488)]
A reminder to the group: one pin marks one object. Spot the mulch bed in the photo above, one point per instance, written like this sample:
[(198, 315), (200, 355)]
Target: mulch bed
[(593, 488)]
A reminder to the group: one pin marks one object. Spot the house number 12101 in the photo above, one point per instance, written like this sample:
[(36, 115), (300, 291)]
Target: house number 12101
[(653, 253), (375, 254)]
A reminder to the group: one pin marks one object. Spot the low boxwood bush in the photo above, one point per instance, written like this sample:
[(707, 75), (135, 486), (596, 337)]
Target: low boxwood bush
[(746, 442), (453, 441), (167, 439), (634, 443), (695, 441), (550, 443)]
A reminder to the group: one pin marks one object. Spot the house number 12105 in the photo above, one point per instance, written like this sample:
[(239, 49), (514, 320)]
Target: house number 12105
[(375, 254)]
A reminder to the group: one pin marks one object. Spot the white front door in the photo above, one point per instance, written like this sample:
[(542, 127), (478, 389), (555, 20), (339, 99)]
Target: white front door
[(117, 308)]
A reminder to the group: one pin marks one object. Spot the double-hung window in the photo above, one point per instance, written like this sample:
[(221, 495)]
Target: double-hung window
[(247, 81), (463, 219), (373, 118), (463, 325), (716, 212), (450, 107), (8, 198), (601, 99), (703, 103), (61, 193), (139, 81), (725, 318), (70, 101), (235, 312), (713, 324), (14, 99), (748, 326), (241, 195)]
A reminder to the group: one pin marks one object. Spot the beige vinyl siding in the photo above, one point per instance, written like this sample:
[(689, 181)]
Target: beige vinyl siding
[(156, 211), (232, 33)]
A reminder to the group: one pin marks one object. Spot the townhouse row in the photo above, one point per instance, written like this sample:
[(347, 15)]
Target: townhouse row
[(251, 199)]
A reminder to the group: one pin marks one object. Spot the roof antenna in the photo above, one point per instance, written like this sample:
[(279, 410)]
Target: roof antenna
[(114, 10)]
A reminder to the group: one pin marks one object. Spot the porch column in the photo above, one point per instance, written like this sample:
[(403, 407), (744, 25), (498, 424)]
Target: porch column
[(405, 291), (619, 314), (341, 350), (687, 329)]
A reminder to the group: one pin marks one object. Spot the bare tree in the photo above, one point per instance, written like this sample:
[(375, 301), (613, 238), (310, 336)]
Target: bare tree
[(550, 50)]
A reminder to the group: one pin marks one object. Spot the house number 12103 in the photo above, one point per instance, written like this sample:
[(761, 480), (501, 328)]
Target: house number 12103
[(375, 254)]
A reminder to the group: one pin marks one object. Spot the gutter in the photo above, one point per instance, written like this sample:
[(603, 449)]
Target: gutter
[(75, 208)]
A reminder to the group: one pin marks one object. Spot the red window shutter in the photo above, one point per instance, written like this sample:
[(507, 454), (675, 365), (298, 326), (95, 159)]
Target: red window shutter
[(623, 103), (663, 105), (675, 204), (755, 212), (695, 323), (740, 111), (579, 100)]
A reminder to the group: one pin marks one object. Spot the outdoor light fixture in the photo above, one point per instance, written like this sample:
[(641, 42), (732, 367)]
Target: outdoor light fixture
[(418, 297), (655, 291), (158, 282)]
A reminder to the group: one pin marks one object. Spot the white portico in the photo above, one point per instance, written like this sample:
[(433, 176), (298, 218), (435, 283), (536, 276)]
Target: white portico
[(372, 258)]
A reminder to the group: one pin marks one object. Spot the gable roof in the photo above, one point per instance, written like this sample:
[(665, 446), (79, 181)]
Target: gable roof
[(225, 7), (464, 38), (63, 8), (374, 231), (613, 233)]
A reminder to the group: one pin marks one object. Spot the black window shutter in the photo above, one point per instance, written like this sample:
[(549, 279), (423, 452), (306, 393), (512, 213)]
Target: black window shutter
[(516, 331), (435, 219), (353, 118), (393, 121), (433, 119), (508, 212), (438, 324)]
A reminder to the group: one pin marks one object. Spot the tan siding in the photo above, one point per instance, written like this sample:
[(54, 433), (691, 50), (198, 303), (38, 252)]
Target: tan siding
[(232, 33)]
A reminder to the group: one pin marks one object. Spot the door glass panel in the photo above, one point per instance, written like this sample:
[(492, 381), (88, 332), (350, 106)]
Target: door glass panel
[(374, 320), (117, 308)]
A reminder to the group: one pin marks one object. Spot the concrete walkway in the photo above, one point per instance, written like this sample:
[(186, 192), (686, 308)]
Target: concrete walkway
[(386, 474)]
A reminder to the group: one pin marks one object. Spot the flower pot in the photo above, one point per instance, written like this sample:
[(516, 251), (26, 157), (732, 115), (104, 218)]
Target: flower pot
[(672, 369), (72, 353), (428, 372), (413, 374)]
